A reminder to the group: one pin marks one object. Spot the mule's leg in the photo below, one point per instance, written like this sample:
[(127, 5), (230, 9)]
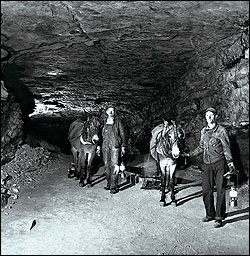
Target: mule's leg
[(78, 166), (75, 159), (82, 165), (163, 185), (90, 158), (144, 183), (171, 183), (168, 175)]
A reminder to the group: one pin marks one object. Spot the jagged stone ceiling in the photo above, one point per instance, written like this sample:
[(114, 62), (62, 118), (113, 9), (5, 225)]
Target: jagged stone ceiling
[(75, 54)]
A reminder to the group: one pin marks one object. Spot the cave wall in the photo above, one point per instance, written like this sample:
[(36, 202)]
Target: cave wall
[(220, 78), (11, 128)]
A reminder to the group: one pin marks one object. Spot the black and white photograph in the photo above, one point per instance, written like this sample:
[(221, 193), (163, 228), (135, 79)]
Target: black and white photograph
[(124, 127)]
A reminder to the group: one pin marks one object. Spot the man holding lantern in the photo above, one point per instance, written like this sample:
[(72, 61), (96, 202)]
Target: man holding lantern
[(113, 147), (217, 158)]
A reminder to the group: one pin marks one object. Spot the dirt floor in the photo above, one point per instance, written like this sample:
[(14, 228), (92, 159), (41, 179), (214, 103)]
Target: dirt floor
[(72, 220)]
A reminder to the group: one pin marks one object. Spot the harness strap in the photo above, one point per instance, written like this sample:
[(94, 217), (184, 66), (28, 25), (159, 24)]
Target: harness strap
[(84, 142), (164, 141)]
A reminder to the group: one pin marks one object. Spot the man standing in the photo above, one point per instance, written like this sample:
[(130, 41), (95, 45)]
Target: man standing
[(215, 146), (113, 147)]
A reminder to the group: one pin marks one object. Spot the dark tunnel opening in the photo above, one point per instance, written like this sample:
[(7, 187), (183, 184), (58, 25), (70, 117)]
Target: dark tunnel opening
[(12, 76), (54, 132)]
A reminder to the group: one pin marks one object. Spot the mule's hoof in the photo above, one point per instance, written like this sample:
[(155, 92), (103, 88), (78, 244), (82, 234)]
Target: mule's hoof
[(77, 178), (114, 190), (162, 204), (89, 185), (174, 203), (81, 184)]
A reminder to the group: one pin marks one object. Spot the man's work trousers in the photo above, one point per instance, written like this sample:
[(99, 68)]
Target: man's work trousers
[(111, 161), (213, 175)]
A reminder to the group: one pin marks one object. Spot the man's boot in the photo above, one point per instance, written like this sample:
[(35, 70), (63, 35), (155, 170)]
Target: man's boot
[(107, 187), (114, 188)]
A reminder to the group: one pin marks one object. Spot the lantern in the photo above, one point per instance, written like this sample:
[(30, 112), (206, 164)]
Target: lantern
[(122, 169), (233, 191), (233, 196)]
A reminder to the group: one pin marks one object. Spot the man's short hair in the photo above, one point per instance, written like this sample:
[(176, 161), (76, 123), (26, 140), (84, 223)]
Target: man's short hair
[(213, 110)]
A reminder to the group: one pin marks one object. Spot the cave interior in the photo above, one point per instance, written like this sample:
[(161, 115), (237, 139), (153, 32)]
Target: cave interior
[(155, 60)]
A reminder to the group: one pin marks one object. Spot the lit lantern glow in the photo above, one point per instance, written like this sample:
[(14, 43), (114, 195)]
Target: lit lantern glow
[(233, 197)]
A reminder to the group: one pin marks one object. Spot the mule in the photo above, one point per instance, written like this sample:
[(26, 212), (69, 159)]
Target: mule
[(83, 138), (166, 144)]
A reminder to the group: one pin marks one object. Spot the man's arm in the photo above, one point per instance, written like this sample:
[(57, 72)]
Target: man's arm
[(99, 143), (122, 134), (123, 137), (200, 148), (226, 146)]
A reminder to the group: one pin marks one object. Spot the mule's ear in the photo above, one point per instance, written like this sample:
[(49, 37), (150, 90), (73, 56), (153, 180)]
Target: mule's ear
[(165, 122), (172, 121), (182, 133)]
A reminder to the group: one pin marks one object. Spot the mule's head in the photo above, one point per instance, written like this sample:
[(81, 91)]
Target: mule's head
[(175, 136), (94, 129)]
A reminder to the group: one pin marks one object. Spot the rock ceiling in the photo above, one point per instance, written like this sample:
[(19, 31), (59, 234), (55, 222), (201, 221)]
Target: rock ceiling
[(75, 54)]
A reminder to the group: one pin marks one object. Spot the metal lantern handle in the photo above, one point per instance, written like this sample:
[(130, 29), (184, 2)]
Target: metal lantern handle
[(237, 179)]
